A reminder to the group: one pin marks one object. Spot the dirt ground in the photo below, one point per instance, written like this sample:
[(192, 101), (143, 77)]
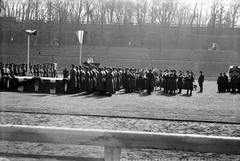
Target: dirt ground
[(207, 113)]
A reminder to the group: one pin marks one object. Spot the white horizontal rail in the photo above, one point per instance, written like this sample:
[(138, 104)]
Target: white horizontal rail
[(121, 139)]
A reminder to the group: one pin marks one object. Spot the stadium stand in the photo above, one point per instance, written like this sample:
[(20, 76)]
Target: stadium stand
[(210, 62)]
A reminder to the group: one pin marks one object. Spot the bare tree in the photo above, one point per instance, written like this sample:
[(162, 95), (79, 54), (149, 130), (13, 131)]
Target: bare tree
[(119, 10), (76, 11), (1, 10), (193, 15), (110, 6), (62, 8), (234, 12), (166, 11), (141, 16), (49, 18)]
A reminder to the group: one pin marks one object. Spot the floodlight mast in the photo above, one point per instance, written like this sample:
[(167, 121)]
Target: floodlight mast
[(28, 55), (29, 32)]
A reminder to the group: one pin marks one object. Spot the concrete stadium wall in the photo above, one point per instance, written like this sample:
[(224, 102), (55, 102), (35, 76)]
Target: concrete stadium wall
[(210, 62), (148, 35)]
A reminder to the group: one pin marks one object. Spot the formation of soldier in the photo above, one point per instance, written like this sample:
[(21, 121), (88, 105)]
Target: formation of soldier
[(38, 70), (108, 80), (9, 70), (228, 84)]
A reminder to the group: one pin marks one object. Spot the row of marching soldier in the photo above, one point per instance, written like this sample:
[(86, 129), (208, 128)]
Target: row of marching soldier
[(108, 80), (38, 70), (11, 70)]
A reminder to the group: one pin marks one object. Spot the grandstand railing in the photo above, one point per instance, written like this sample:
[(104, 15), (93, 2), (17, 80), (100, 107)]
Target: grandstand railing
[(113, 141)]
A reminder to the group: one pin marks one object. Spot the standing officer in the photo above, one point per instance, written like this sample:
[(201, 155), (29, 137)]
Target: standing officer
[(225, 82), (150, 81), (220, 83), (65, 73), (127, 76), (200, 81), (189, 82), (233, 81)]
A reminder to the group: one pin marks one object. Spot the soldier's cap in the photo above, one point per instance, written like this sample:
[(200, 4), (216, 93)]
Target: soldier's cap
[(180, 71), (150, 69), (200, 71), (73, 65), (187, 71), (224, 73), (126, 68)]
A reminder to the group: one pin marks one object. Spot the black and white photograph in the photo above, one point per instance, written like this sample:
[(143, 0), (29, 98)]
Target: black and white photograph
[(119, 80)]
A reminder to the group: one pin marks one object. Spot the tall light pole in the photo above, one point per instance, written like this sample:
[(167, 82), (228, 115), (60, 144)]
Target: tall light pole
[(80, 39), (29, 32)]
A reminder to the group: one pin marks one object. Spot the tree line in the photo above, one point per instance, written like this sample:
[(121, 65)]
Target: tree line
[(216, 12), (213, 14)]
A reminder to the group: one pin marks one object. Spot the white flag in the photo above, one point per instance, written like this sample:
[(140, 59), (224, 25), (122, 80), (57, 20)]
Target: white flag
[(80, 36)]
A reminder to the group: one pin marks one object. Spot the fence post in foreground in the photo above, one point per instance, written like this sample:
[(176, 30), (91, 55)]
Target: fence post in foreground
[(112, 153)]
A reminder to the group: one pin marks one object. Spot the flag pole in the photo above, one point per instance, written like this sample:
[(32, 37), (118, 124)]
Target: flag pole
[(80, 59), (28, 55)]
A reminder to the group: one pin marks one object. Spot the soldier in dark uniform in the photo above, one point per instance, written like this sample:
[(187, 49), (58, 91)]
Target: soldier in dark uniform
[(220, 83), (225, 82), (87, 82), (234, 79), (1, 76), (19, 70), (72, 80), (200, 81), (150, 81), (180, 81), (24, 69), (189, 82), (82, 78), (238, 84), (31, 72), (142, 80), (173, 83), (94, 77), (118, 79), (160, 79), (110, 83), (166, 81), (137, 74), (132, 80), (41, 71), (65, 73), (5, 76), (15, 70), (78, 79), (100, 85), (45, 72), (127, 80)]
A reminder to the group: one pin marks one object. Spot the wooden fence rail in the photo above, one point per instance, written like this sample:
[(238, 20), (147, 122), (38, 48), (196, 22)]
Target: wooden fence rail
[(113, 141)]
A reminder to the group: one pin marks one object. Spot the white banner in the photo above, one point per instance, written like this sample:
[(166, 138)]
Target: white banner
[(80, 36)]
